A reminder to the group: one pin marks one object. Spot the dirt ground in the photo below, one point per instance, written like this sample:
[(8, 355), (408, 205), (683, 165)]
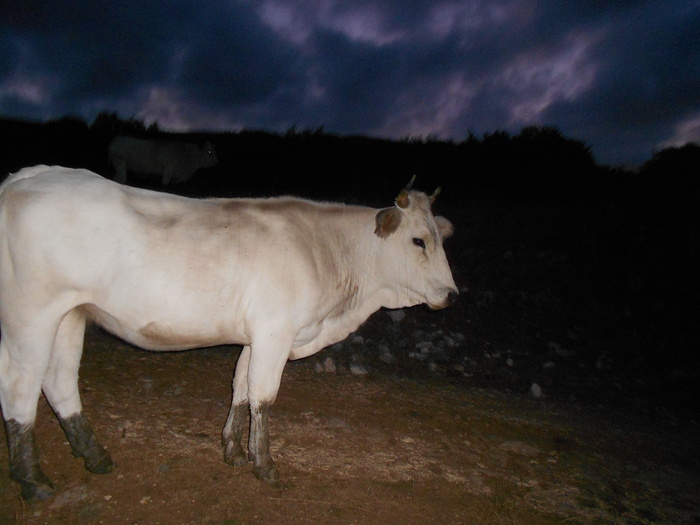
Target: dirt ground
[(351, 449)]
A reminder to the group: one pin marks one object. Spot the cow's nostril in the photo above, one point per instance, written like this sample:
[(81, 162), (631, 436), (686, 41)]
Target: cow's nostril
[(452, 297)]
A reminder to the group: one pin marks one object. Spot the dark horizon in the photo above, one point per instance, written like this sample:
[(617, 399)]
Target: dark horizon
[(111, 123)]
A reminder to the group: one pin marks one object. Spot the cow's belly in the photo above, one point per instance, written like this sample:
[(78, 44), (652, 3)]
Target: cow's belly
[(158, 332), (165, 305)]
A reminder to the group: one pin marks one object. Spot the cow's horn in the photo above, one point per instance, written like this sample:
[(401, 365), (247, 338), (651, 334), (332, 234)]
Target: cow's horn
[(435, 194), (402, 199)]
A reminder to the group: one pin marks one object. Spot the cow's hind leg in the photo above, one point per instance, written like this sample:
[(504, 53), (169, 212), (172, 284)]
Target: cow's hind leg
[(238, 415), (61, 389), (23, 362), (84, 444), (24, 461)]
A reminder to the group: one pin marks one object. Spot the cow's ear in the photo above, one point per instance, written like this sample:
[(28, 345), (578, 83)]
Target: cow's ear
[(446, 228), (403, 200), (388, 221)]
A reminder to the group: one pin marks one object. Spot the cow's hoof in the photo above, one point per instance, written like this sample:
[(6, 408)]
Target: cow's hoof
[(102, 465), (269, 475), (240, 461), (37, 491), (237, 461), (234, 455)]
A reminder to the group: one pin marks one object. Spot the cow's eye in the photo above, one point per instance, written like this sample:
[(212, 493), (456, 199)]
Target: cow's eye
[(419, 242)]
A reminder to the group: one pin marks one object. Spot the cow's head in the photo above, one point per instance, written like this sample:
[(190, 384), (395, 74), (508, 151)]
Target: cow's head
[(415, 238)]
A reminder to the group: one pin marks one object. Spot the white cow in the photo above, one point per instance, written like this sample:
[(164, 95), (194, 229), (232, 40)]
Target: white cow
[(172, 162), (284, 277)]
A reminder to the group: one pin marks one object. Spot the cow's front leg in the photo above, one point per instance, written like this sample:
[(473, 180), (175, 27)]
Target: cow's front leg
[(232, 435), (259, 443), (268, 356)]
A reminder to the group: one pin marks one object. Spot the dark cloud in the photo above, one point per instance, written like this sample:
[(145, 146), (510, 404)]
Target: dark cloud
[(623, 76), (648, 80)]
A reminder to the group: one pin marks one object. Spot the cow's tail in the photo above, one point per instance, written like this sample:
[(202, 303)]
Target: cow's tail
[(24, 173)]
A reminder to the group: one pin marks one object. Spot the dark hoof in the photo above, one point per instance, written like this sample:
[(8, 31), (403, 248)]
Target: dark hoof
[(236, 461), (234, 455), (240, 461), (103, 465), (37, 491), (269, 475)]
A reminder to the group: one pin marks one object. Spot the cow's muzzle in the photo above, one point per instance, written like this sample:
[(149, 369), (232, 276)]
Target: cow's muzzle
[(450, 299)]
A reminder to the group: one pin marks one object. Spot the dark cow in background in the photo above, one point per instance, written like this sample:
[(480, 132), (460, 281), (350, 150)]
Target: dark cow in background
[(284, 277), (172, 162)]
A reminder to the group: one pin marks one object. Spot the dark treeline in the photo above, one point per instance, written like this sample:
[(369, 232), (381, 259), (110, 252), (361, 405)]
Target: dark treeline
[(536, 165)]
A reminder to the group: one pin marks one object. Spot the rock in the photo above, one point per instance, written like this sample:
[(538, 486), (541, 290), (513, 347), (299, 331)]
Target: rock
[(124, 425), (358, 370), (70, 497), (424, 347), (329, 365), (520, 448), (396, 315), (558, 350), (387, 357), (337, 422)]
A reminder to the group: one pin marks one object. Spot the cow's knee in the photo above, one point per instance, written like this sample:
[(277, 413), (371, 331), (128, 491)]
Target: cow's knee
[(24, 462), (84, 444)]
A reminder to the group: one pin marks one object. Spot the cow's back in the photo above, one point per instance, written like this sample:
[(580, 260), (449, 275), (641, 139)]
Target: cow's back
[(24, 173)]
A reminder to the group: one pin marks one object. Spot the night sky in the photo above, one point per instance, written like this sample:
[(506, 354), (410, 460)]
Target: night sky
[(622, 76)]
